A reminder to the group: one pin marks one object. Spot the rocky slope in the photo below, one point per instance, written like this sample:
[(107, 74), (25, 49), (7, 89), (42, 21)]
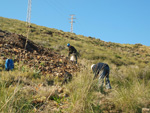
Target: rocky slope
[(43, 59)]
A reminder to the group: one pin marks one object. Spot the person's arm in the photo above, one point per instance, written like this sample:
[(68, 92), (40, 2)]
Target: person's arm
[(94, 76), (70, 51), (96, 71)]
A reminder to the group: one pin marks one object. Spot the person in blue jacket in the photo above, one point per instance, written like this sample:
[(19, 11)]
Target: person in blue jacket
[(101, 70)]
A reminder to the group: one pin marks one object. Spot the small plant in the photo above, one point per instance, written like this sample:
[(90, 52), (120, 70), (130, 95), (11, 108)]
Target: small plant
[(36, 74), (57, 99), (117, 56)]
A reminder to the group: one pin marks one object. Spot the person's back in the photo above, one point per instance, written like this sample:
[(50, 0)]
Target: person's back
[(98, 67), (72, 50), (101, 69)]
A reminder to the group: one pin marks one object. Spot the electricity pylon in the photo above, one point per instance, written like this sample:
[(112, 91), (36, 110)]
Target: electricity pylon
[(28, 21), (71, 30)]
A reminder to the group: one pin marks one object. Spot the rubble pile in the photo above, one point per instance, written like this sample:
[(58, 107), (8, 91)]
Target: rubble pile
[(43, 59)]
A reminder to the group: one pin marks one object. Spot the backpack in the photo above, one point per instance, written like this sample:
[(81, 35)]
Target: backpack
[(9, 64)]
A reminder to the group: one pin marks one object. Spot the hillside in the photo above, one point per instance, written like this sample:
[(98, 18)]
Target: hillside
[(40, 68), (46, 61), (118, 54)]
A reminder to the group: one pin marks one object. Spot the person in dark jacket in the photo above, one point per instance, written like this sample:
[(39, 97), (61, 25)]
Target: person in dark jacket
[(72, 51), (101, 70)]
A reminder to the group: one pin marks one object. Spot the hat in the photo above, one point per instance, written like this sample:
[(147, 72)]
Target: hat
[(68, 45), (92, 66)]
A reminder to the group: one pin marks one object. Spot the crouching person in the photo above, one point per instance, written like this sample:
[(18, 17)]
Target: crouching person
[(102, 71), (67, 78), (72, 52)]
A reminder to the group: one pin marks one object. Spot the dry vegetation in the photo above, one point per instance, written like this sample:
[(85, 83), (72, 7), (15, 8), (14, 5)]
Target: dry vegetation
[(26, 90)]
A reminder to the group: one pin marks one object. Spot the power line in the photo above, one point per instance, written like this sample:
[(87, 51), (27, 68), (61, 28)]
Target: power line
[(55, 6), (71, 30)]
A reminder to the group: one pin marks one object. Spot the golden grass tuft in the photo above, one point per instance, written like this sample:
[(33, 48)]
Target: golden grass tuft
[(132, 93), (81, 92)]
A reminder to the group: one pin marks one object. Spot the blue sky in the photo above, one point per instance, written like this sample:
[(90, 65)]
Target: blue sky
[(119, 21)]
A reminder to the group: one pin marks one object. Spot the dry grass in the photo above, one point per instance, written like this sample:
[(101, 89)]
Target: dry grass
[(81, 94), (129, 75), (131, 93)]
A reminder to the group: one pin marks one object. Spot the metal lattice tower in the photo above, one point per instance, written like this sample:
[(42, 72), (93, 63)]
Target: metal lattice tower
[(29, 12), (28, 20), (72, 23)]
